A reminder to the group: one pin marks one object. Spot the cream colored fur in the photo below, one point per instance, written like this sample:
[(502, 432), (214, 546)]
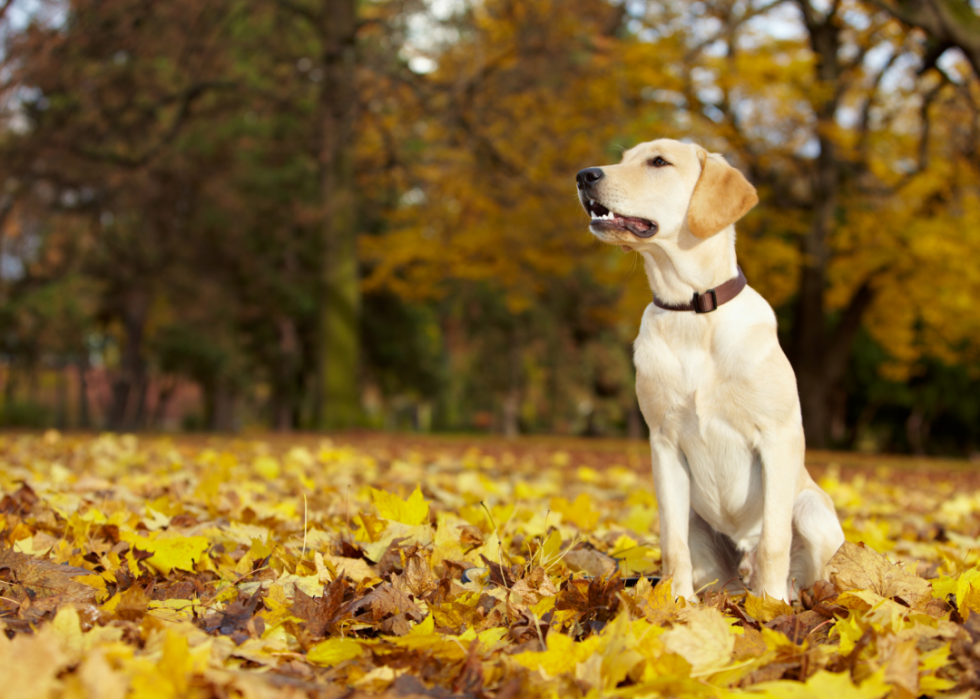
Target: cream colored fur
[(736, 502)]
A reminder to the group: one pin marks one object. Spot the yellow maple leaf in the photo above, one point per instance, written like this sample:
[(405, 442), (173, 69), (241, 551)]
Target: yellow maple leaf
[(849, 630), (413, 511), (958, 585), (549, 551), (659, 601), (562, 656), (267, 467), (820, 685), (705, 641), (424, 627), (334, 651), (970, 602), (170, 679), (929, 663), (619, 650), (766, 608), (582, 512), (170, 552)]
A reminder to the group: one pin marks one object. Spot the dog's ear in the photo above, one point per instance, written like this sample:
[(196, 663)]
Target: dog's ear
[(721, 197)]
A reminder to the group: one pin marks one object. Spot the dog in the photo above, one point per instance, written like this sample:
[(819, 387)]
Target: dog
[(737, 505)]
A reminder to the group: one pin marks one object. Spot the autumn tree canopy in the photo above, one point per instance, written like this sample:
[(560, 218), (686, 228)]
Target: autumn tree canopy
[(319, 222)]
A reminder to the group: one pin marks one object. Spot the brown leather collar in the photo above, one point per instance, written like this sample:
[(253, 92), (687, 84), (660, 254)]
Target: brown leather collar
[(710, 299)]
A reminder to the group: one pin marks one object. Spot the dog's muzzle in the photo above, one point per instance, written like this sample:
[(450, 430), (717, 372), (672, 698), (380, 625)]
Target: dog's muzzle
[(604, 220)]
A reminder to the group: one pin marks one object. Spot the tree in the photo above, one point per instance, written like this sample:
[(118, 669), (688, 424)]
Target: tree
[(524, 98), (947, 22), (848, 159), (103, 100)]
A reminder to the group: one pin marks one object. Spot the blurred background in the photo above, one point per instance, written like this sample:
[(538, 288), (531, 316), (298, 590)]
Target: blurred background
[(326, 214)]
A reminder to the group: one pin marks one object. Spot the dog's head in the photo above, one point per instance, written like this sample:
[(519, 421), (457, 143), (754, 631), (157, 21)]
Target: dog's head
[(663, 190)]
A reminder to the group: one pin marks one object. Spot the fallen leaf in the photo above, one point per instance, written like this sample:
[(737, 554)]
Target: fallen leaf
[(385, 600), (334, 651), (41, 583), (765, 608), (590, 562), (319, 613), (705, 640), (414, 510), (856, 567)]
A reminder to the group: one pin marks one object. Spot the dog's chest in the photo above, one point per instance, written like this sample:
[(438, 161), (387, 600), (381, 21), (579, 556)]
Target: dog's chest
[(676, 370), (690, 399)]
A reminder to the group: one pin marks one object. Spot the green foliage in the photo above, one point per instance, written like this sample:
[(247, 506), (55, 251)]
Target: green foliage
[(25, 414)]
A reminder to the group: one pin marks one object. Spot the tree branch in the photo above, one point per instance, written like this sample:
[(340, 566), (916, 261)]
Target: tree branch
[(186, 99), (952, 21), (306, 13)]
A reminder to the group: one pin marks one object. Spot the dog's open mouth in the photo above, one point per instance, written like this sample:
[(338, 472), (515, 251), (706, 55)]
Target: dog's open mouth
[(603, 217)]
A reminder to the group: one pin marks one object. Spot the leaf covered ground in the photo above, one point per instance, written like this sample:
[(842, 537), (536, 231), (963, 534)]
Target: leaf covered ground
[(162, 567)]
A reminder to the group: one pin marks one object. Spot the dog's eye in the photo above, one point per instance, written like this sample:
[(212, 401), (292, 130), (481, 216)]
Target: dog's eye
[(657, 162)]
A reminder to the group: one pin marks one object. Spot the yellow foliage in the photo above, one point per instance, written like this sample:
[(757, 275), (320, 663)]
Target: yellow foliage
[(765, 608), (214, 614), (171, 551), (333, 651), (414, 510)]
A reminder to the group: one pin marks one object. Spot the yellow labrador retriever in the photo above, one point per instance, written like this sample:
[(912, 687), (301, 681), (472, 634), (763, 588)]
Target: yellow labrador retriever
[(736, 502)]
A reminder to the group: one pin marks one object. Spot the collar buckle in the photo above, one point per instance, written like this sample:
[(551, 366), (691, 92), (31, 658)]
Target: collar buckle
[(700, 303)]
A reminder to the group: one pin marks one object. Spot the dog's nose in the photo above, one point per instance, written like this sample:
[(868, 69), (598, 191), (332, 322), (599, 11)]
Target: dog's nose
[(589, 175)]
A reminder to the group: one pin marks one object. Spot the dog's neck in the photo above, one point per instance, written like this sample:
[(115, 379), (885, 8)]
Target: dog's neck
[(678, 268)]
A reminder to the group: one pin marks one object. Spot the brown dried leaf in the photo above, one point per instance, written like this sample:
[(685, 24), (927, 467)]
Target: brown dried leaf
[(590, 562), (133, 604), (603, 596), (749, 644), (797, 627), (417, 578), (535, 586), (24, 578), (766, 608), (455, 614), (320, 612), (498, 574), (236, 619), (386, 600), (21, 501), (856, 567)]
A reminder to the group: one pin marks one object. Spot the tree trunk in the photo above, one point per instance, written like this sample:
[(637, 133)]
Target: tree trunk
[(914, 431), (337, 401), (10, 387), (511, 414), (285, 375), (221, 408), (131, 377), (81, 364), (165, 392), (61, 388), (515, 380), (820, 357)]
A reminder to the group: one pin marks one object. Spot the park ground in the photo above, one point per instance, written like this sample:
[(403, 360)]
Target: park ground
[(307, 566)]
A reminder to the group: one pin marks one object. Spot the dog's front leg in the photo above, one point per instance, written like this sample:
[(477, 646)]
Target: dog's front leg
[(781, 455), (672, 482)]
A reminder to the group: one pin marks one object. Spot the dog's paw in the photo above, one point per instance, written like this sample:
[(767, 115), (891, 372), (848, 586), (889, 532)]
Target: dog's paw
[(686, 592), (746, 568)]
